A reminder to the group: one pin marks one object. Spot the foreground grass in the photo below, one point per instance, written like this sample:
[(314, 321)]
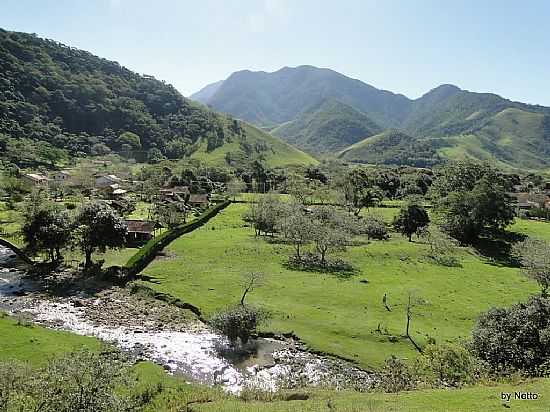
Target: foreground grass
[(473, 399), (338, 315)]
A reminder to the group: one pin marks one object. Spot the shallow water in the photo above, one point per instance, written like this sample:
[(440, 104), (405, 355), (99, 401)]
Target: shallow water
[(198, 354)]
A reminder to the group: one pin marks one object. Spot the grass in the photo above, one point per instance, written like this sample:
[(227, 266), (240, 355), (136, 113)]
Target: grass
[(332, 314), (10, 224), (473, 399), (35, 344)]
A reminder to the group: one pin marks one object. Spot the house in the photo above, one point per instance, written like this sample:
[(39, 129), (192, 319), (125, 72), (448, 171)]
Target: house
[(139, 231), (104, 181), (198, 200), (35, 179), (61, 176), (178, 193), (527, 201)]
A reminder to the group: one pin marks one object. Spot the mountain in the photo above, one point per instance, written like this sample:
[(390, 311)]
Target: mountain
[(204, 94), (327, 127), (57, 101), (455, 123), (391, 147), (268, 99)]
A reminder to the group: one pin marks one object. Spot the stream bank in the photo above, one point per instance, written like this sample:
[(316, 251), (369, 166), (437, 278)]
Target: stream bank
[(150, 329)]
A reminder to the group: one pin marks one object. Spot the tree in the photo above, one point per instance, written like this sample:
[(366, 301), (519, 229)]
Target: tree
[(235, 187), (98, 227), (238, 322), (299, 188), (131, 139), (330, 231), (375, 227), (516, 338), (471, 199), (534, 255), (359, 191), (250, 282), (296, 227), (264, 214), (412, 218), (154, 155), (49, 229), (170, 215), (412, 302)]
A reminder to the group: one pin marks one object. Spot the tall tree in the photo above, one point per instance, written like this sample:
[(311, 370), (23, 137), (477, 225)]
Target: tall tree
[(412, 218), (98, 227)]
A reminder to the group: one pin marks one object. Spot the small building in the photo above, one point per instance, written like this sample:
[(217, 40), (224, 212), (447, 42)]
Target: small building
[(35, 179), (106, 180), (139, 231), (198, 200), (178, 193), (61, 176)]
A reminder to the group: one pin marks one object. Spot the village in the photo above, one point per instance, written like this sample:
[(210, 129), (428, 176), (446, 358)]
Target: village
[(146, 215)]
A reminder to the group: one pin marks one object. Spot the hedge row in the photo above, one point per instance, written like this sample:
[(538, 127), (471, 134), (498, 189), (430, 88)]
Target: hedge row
[(147, 253)]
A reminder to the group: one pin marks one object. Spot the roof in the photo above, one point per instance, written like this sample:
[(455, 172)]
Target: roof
[(36, 176), (63, 172), (119, 191), (140, 226), (112, 178), (198, 198)]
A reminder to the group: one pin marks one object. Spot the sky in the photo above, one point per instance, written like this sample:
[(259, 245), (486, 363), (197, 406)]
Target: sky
[(407, 46)]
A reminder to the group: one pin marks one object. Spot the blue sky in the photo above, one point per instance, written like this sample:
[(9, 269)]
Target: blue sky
[(407, 47)]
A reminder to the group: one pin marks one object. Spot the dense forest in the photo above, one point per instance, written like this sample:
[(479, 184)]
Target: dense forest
[(57, 101)]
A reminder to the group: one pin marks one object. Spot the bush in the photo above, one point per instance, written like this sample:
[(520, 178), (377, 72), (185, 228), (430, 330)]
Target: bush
[(83, 381), (396, 376), (448, 365), (375, 228), (312, 262), (238, 322), (517, 338)]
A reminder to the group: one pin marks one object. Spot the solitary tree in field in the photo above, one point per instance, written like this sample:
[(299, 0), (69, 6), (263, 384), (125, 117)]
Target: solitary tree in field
[(250, 282), (412, 302), (412, 218), (98, 227), (330, 231), (534, 255)]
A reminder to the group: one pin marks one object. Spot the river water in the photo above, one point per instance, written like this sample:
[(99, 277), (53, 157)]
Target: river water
[(197, 353)]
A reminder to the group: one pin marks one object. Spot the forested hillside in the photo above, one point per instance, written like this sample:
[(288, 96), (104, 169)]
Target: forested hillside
[(57, 101), (454, 123), (327, 127)]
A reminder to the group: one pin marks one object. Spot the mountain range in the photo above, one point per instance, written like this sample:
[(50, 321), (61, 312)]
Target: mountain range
[(324, 112)]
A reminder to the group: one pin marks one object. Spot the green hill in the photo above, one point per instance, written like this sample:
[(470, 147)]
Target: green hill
[(327, 127), (514, 138), (391, 147), (447, 121), (257, 144), (57, 101)]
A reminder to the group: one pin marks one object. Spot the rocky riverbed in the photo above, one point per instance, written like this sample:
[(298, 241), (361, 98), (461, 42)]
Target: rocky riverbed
[(150, 329)]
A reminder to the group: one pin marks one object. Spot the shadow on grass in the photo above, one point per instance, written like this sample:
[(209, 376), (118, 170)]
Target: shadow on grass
[(307, 263), (498, 248)]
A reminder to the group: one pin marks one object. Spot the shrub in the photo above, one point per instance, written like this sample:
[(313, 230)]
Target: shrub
[(312, 262), (396, 376), (375, 228), (448, 365), (238, 322), (517, 338)]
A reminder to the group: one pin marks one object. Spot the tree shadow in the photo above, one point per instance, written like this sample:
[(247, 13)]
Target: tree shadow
[(337, 268), (497, 248)]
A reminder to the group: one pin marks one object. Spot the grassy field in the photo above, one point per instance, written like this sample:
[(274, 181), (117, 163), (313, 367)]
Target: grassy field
[(334, 314)]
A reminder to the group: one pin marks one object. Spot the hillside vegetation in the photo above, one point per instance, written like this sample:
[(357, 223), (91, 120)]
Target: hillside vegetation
[(57, 101), (328, 127), (451, 122)]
